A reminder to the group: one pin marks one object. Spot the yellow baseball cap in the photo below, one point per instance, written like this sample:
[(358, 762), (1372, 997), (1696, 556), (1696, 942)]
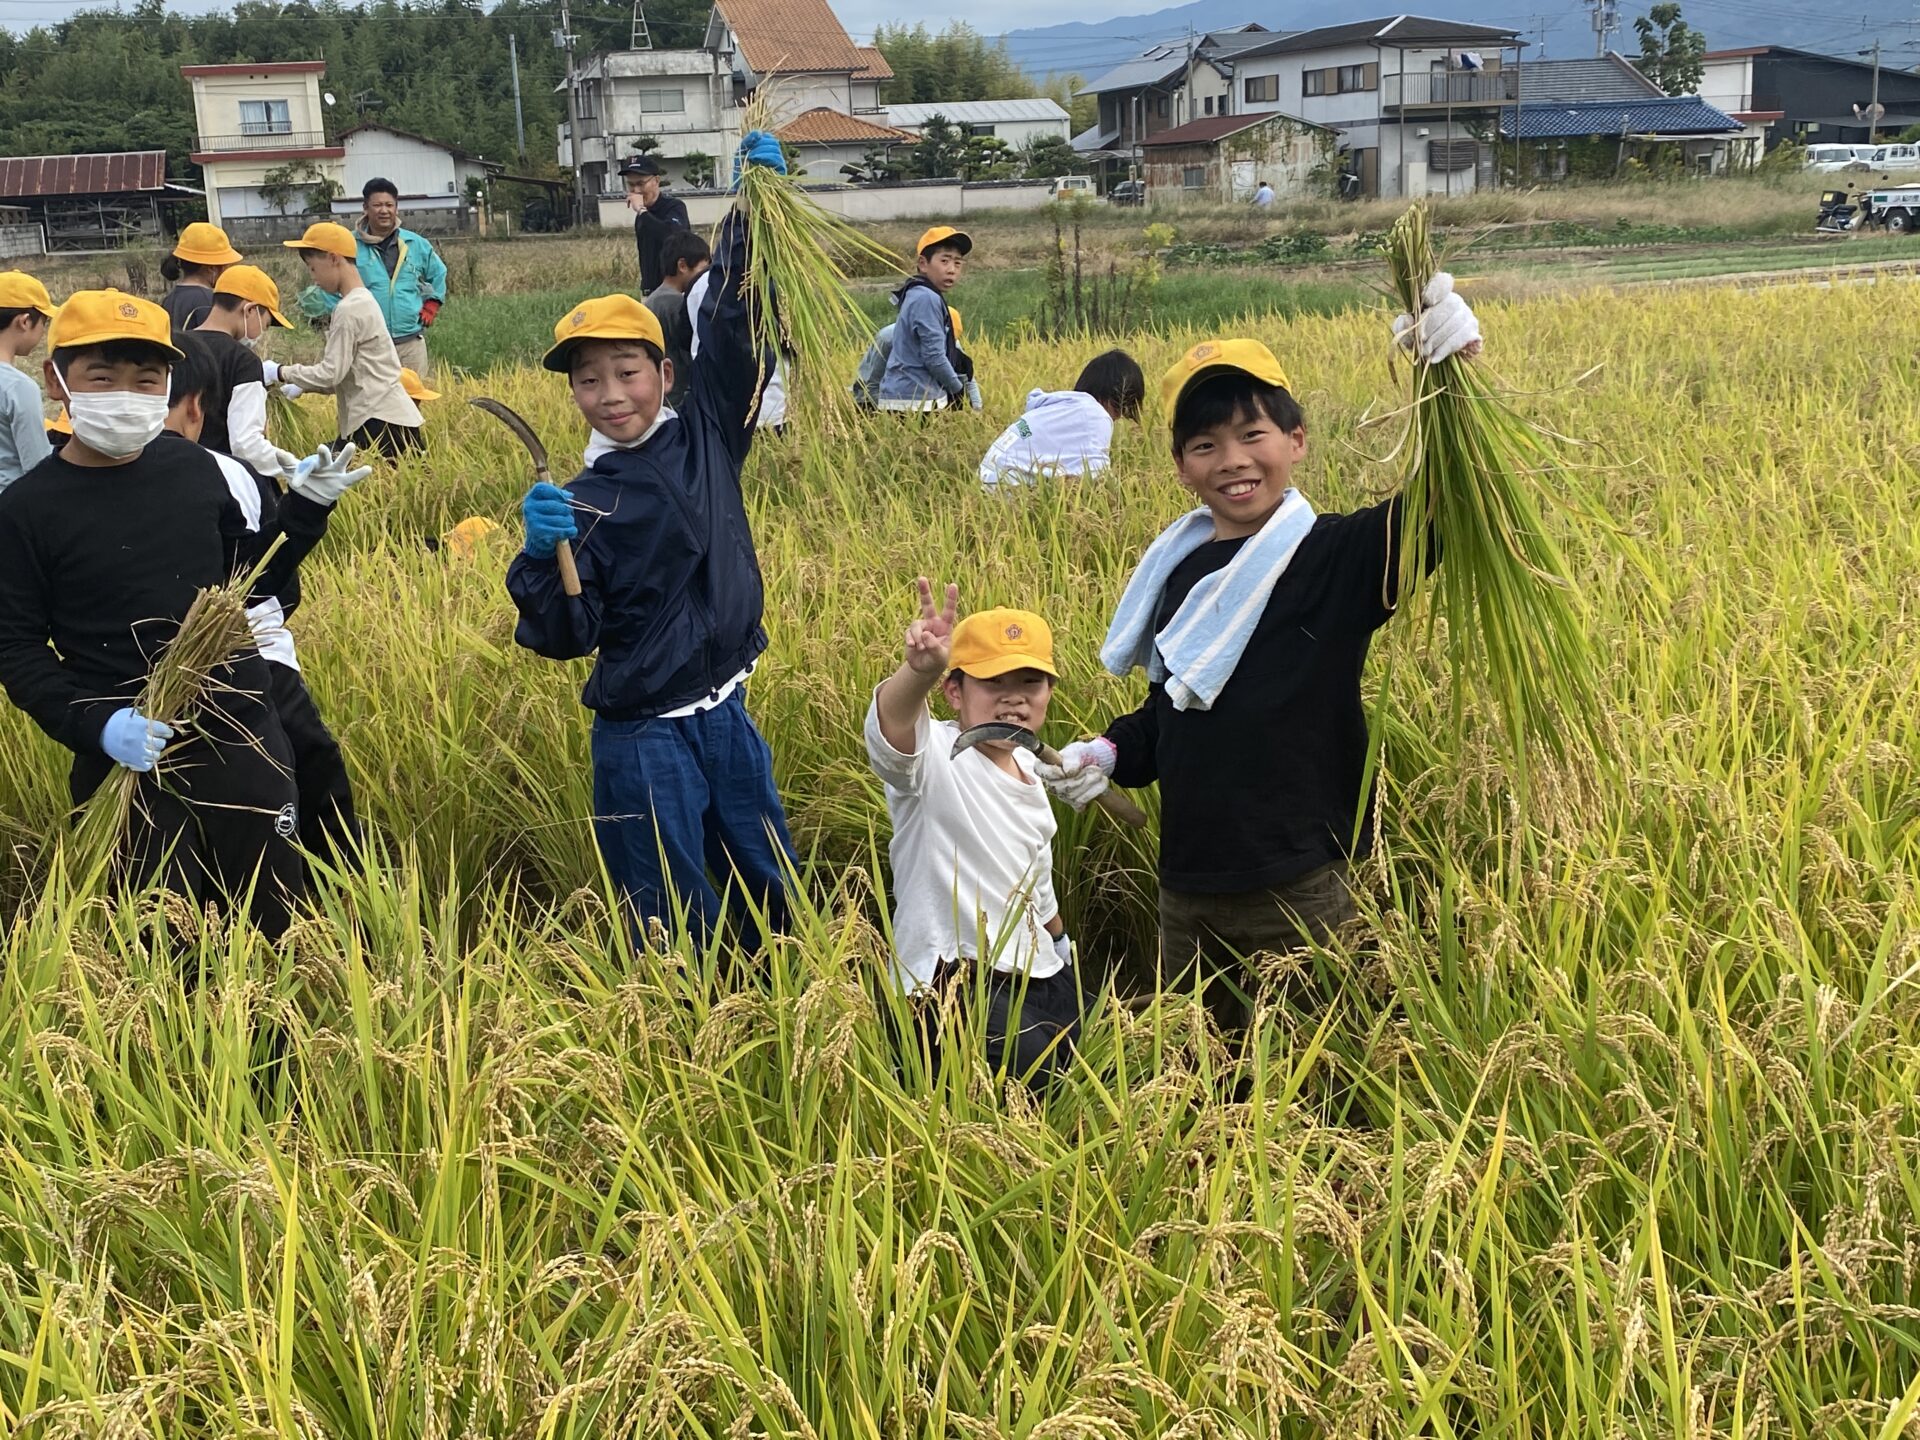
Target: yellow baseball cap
[(1247, 356), (204, 244), (94, 317), (61, 424), (994, 642), (415, 387), (329, 237), (20, 291), (256, 287), (611, 317), (944, 232), (464, 540), (954, 315)]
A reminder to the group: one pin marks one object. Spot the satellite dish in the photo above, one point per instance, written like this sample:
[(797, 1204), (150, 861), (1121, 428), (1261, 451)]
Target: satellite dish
[(327, 95)]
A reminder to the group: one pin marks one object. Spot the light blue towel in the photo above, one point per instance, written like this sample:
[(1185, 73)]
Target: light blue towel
[(1196, 654)]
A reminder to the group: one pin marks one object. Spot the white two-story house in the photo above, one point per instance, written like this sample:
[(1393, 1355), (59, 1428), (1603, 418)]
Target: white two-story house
[(1416, 102)]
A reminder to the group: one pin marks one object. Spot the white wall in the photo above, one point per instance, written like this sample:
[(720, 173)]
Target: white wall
[(870, 202), (1728, 84), (416, 168), (216, 102)]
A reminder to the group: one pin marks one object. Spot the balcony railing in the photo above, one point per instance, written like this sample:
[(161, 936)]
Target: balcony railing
[(1462, 87), (263, 140)]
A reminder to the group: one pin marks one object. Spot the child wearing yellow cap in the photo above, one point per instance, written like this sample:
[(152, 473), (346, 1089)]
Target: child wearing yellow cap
[(245, 310), (25, 313), (670, 601), (198, 258), (973, 832), (359, 367), (103, 547), (1252, 617), (925, 368)]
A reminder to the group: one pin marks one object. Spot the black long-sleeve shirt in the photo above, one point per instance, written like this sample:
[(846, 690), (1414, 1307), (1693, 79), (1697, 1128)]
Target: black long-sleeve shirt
[(651, 227), (97, 569), (1265, 787)]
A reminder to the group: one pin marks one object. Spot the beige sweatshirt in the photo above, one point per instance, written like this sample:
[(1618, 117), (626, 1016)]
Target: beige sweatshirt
[(359, 367)]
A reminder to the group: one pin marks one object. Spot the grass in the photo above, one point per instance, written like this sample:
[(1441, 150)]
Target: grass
[(1606, 1130)]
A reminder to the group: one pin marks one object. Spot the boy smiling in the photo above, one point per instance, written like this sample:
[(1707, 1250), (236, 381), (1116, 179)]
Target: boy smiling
[(1252, 617)]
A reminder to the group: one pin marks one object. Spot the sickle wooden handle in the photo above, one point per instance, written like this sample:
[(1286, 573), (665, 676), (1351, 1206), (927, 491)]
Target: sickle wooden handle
[(1109, 799), (569, 576)]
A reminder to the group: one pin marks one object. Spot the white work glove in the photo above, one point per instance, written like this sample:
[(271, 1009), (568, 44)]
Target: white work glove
[(272, 367), (1063, 948), (973, 394), (285, 461), (1083, 774), (330, 477), (292, 392), (1447, 323), (131, 739)]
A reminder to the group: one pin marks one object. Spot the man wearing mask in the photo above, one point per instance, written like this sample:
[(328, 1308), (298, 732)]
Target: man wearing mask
[(656, 215), (402, 269), (103, 546)]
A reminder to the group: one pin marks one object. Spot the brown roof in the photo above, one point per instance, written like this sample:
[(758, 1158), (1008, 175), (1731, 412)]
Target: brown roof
[(261, 67), (792, 37), (118, 173), (1210, 128), (877, 67), (829, 127)]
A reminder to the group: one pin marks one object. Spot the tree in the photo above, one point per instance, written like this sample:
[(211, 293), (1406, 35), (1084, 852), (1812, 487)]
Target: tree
[(939, 153), (1672, 52), (1047, 156), (957, 64), (987, 157), (699, 169), (300, 180)]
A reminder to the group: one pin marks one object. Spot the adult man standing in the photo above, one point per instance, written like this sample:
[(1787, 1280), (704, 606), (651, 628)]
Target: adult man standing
[(655, 216), (406, 275)]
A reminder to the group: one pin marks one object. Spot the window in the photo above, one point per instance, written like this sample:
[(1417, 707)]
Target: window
[(1161, 108), (1209, 104), (265, 117), (980, 130), (662, 102), (1353, 77), (1193, 177), (1260, 88), (1339, 79), (1313, 82)]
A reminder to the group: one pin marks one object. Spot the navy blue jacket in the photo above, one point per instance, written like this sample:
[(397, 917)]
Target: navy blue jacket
[(671, 591)]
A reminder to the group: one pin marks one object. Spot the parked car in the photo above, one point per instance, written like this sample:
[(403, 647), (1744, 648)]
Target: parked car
[(1893, 207), (1839, 157), (1065, 186), (1896, 157), (1128, 192)]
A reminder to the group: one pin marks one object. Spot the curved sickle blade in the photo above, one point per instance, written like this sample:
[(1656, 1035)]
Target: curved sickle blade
[(563, 552), (997, 730)]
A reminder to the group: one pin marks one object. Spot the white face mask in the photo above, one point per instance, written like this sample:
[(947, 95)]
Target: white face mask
[(252, 342), (117, 423)]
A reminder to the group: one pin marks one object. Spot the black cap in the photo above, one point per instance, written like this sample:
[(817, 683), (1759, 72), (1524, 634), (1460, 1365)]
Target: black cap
[(641, 165)]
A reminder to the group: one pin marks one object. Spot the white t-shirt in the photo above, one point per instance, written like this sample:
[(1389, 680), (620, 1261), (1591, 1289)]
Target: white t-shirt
[(773, 395), (972, 855), (1064, 432)]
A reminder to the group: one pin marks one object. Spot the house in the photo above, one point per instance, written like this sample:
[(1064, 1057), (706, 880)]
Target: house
[(1224, 158), (433, 179), (1808, 98), (801, 47), (1708, 140), (824, 141), (1164, 86), (83, 202), (262, 144), (681, 99), (1410, 96), (1018, 122)]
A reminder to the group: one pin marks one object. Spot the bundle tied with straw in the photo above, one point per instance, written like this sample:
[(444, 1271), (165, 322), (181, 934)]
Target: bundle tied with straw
[(1474, 484), (184, 684), (798, 260)]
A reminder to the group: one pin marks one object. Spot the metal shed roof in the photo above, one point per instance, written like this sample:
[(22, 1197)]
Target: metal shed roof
[(977, 112), (1581, 82), (118, 173)]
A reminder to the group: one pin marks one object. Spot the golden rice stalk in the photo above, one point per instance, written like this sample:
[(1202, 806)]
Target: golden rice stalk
[(1473, 486), (799, 257)]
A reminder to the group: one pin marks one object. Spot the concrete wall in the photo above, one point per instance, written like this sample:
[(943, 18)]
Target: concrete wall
[(21, 238), (216, 101), (931, 200), (414, 166)]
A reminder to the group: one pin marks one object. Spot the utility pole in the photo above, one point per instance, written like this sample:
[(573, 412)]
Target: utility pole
[(519, 118), (564, 39), (1186, 88), (1873, 105)]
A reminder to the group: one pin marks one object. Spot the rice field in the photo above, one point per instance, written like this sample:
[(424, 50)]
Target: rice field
[(1605, 1128)]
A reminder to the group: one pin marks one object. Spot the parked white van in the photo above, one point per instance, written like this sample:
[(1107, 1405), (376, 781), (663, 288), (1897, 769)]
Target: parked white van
[(1840, 157), (1896, 157)]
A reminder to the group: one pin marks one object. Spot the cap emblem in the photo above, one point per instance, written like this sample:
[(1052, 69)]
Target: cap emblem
[(1202, 351), (1014, 632), (129, 311), (579, 318)]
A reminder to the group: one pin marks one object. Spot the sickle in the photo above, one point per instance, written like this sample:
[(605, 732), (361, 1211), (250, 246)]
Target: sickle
[(1109, 800), (562, 552)]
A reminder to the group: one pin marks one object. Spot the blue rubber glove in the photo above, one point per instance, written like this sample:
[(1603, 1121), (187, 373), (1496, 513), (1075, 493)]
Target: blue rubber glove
[(757, 147), (548, 511), (131, 739)]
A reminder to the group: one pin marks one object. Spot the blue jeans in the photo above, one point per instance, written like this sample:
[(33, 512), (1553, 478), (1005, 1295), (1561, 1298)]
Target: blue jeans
[(698, 794)]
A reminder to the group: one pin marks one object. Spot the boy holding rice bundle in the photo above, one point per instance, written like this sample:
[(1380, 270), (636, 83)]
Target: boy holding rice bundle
[(671, 598), (973, 831), (1252, 616), (103, 547)]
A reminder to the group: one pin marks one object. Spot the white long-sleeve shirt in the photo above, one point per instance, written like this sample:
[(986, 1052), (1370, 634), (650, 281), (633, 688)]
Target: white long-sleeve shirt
[(1063, 432), (359, 367)]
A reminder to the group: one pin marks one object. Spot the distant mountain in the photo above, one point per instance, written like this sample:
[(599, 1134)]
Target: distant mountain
[(1086, 49)]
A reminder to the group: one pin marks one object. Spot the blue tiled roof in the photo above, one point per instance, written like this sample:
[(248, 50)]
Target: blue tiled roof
[(1678, 115)]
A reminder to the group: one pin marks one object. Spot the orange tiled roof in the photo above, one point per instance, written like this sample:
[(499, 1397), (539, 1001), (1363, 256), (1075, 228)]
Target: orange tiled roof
[(877, 67), (788, 37), (823, 126)]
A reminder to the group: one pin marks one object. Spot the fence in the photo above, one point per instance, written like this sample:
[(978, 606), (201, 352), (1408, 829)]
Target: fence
[(20, 234), (1438, 88)]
